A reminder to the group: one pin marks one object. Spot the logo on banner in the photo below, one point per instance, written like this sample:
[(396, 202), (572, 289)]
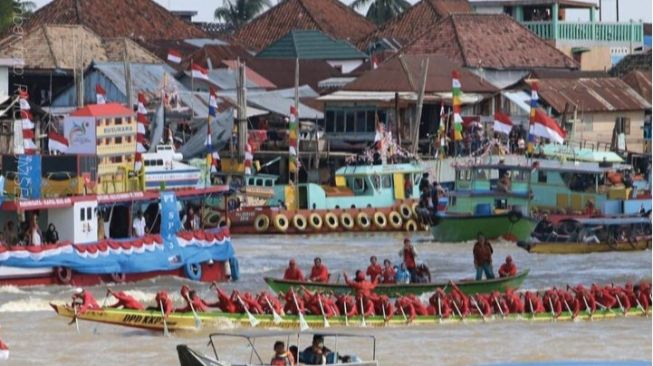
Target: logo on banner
[(29, 176), (170, 223)]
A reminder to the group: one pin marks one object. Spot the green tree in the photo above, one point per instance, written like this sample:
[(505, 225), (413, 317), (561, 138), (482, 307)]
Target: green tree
[(11, 8), (235, 13), (380, 11)]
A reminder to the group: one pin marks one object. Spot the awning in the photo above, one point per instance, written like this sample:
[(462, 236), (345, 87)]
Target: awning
[(520, 99)]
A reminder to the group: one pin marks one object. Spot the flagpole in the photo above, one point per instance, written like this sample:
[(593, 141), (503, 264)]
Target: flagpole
[(296, 175), (192, 90)]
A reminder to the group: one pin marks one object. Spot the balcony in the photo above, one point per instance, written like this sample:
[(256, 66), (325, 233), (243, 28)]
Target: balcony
[(609, 34)]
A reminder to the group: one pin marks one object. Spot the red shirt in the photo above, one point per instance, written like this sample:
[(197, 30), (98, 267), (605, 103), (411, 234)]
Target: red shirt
[(389, 275), (507, 270), (293, 274), (126, 301), (319, 273), (374, 271), (409, 259)]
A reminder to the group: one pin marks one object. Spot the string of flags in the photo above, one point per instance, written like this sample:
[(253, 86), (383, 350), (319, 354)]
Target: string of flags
[(29, 143), (141, 127)]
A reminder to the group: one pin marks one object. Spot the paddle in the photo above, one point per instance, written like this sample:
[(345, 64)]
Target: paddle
[(302, 322), (275, 316), (198, 322), (478, 307), (503, 316), (439, 311), (344, 303), (639, 305), (551, 306), (460, 314), (252, 320), (587, 307), (403, 313), (385, 318), (573, 317), (324, 317), (620, 306), (165, 323), (530, 304), (362, 314), (104, 303), (75, 318)]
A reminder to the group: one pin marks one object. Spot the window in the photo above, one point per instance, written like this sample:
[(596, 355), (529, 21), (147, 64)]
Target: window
[(329, 121), (340, 121), (118, 140), (99, 142), (89, 213), (128, 139), (371, 118), (376, 181), (387, 181), (107, 141), (159, 162), (350, 121), (82, 217), (359, 184), (117, 121), (360, 121), (541, 176)]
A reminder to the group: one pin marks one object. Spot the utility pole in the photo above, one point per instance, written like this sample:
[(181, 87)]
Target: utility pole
[(420, 104), (296, 175), (242, 111)]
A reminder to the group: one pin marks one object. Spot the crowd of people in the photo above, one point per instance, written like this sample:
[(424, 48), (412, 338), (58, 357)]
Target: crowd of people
[(28, 233)]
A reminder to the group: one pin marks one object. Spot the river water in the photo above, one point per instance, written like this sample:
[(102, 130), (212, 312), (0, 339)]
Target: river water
[(35, 335)]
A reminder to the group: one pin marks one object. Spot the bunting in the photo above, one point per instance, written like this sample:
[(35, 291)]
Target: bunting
[(198, 72), (293, 126), (100, 94), (212, 156), (544, 126), (502, 123), (141, 130), (455, 95), (27, 125)]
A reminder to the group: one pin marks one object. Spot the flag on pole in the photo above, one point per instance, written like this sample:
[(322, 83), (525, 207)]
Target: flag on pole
[(57, 142), (198, 72), (443, 117), (534, 99), (174, 56), (29, 144), (547, 127), (141, 130), (249, 157), (293, 127), (502, 123), (100, 94), (456, 102), (212, 156), (4, 351)]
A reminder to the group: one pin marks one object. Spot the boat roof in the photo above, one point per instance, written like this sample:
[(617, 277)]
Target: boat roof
[(608, 221), (265, 333), (581, 154), (573, 166), (496, 166), (380, 169)]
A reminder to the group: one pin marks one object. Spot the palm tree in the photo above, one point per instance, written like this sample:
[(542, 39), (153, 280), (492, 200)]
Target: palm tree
[(11, 8), (235, 13), (380, 11)]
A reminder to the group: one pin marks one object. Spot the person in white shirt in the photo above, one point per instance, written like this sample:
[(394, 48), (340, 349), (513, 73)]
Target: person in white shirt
[(190, 221), (35, 237), (138, 225)]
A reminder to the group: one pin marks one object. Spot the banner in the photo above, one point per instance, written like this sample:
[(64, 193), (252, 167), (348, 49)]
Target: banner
[(80, 133), (2, 189), (170, 223), (29, 176)]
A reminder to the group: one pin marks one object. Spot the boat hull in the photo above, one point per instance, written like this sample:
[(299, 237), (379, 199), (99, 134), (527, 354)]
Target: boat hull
[(468, 287), (153, 319), (464, 228), (584, 248)]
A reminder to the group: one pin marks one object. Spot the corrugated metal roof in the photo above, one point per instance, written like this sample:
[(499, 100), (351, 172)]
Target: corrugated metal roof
[(225, 79), (201, 42), (640, 81), (591, 95), (310, 45)]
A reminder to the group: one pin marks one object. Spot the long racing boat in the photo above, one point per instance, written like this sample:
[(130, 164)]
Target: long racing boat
[(469, 287)]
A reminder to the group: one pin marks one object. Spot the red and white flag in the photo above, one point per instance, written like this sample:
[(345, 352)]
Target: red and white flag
[(547, 127), (249, 157), (502, 123), (100, 95), (57, 142), (198, 72), (174, 56), (141, 130), (29, 144), (4, 351)]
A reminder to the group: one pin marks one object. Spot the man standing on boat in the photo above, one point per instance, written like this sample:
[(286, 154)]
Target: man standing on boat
[(319, 272), (293, 272), (138, 225), (483, 257), (408, 253)]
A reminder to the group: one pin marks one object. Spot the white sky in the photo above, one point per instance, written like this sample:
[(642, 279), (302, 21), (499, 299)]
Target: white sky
[(628, 9)]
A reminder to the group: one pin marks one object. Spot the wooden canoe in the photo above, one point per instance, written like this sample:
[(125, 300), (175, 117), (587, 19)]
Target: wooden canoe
[(469, 287), (584, 248), (153, 320)]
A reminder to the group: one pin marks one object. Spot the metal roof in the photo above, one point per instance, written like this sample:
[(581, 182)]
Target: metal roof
[(225, 79), (310, 45)]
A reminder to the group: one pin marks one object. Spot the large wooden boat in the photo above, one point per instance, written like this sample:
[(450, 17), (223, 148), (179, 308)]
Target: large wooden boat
[(469, 287)]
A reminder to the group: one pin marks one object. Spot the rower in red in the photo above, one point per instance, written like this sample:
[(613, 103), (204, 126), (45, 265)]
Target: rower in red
[(193, 301), (364, 291), (225, 303), (508, 268), (125, 300), (293, 273), (164, 303), (84, 301), (319, 271), (374, 270)]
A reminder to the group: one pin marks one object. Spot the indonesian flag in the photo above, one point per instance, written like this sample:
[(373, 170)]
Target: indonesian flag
[(456, 94), (213, 103), (4, 351), (24, 104), (57, 142), (174, 56), (502, 123), (26, 120), (29, 144), (100, 94), (141, 130), (212, 156), (249, 157), (140, 143), (198, 72), (547, 127)]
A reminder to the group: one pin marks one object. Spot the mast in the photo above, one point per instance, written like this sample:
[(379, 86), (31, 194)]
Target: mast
[(296, 175), (420, 104), (242, 111)]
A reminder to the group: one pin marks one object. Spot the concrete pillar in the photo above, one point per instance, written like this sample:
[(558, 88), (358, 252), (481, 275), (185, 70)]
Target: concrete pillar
[(592, 14), (554, 20), (518, 13)]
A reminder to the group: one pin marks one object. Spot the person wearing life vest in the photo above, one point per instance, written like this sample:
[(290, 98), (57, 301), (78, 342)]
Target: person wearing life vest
[(316, 353), (364, 291), (293, 273), (282, 357), (163, 300), (270, 303), (439, 304), (125, 300), (515, 305), (319, 272), (389, 274), (508, 269), (224, 302), (84, 301), (409, 255), (197, 303), (374, 270)]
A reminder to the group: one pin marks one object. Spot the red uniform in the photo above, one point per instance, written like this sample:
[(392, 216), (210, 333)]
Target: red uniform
[(552, 303), (420, 309), (498, 304), (198, 304), (361, 286), (224, 302), (88, 302), (508, 269), (126, 301), (585, 299), (347, 305), (483, 304), (409, 258), (375, 271), (319, 273), (266, 300), (290, 307), (514, 303), (382, 306), (533, 303), (294, 274), (162, 299), (252, 304), (388, 275), (440, 304)]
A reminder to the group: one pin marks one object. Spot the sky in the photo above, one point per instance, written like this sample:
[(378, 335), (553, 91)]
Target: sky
[(628, 9)]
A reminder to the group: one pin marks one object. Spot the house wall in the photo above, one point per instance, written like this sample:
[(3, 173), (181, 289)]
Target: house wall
[(4, 81), (598, 127), (596, 59), (346, 66)]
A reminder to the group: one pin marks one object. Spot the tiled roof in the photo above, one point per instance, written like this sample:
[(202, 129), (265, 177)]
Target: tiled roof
[(161, 47), (591, 95), (310, 45), (397, 76), (638, 61), (640, 81), (103, 110), (136, 19), (416, 20), (492, 41), (217, 54), (329, 16), (281, 72), (53, 47), (252, 75)]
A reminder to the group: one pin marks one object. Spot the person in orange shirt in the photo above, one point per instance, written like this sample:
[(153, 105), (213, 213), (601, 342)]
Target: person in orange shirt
[(319, 272), (508, 269), (293, 272), (389, 273), (374, 270)]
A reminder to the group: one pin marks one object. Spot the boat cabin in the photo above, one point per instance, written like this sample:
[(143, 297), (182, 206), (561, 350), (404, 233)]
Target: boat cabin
[(164, 169)]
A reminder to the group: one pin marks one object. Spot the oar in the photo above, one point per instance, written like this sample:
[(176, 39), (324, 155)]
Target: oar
[(462, 318), (104, 303), (571, 313), (639, 305), (165, 323), (530, 304), (478, 307), (344, 304), (439, 311), (363, 324), (302, 322), (587, 307), (252, 320), (403, 313), (275, 316), (620, 305), (75, 317), (385, 318), (551, 306), (325, 321), (198, 322), (503, 316)]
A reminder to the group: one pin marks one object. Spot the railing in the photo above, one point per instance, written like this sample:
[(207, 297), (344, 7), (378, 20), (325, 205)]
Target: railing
[(589, 31)]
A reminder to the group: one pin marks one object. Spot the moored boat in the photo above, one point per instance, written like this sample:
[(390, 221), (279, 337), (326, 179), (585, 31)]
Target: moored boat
[(468, 287)]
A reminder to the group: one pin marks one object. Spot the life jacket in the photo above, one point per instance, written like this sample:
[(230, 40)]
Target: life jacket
[(282, 360)]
